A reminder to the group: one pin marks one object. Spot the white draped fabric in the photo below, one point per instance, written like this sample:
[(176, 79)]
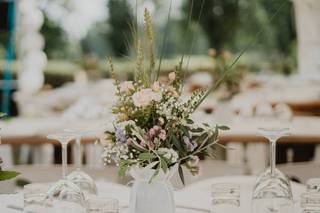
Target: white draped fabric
[(195, 196)]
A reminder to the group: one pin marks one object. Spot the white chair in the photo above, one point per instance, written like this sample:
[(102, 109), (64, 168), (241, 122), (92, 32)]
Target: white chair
[(43, 154)]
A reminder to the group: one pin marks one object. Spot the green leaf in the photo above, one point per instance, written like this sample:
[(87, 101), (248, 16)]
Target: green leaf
[(164, 165), (176, 143), (185, 131), (181, 175), (122, 171), (223, 128), (189, 121), (146, 156), (205, 124), (7, 175), (197, 130)]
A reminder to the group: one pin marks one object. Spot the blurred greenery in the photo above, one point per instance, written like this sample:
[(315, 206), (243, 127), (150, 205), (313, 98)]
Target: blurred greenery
[(56, 45), (121, 22), (232, 24), (219, 19), (224, 24)]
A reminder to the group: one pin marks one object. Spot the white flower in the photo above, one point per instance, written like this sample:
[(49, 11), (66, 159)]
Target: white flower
[(126, 86), (172, 76), (123, 124), (170, 154), (144, 97)]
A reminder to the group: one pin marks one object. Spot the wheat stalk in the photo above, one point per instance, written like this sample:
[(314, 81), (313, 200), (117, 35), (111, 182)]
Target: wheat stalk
[(151, 40)]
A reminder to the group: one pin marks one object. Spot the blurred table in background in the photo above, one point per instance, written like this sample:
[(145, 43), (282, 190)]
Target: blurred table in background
[(33, 131), (248, 147)]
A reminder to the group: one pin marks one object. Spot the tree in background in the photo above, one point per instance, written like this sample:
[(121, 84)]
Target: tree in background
[(120, 19), (56, 42), (282, 24), (234, 23), (219, 19)]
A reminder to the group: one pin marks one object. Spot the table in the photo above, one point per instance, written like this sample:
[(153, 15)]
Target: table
[(185, 197)]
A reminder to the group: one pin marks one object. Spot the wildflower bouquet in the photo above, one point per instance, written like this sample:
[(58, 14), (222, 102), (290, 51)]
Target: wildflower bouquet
[(153, 127)]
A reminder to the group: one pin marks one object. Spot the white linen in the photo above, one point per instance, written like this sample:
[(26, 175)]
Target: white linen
[(196, 195)]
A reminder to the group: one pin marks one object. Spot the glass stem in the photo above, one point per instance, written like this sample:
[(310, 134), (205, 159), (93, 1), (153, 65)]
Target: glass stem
[(64, 160), (79, 153), (273, 157)]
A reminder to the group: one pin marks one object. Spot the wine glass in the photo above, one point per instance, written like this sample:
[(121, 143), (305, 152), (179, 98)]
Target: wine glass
[(79, 177), (272, 192), (65, 196)]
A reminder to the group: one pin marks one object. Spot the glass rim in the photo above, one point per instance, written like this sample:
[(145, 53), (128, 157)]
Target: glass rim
[(275, 130), (225, 184)]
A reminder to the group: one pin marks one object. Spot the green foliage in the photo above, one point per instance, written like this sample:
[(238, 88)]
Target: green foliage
[(120, 21), (7, 175), (282, 24), (234, 23), (56, 43), (219, 19), (231, 84)]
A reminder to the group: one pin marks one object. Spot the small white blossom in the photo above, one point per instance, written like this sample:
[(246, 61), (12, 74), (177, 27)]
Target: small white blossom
[(170, 154)]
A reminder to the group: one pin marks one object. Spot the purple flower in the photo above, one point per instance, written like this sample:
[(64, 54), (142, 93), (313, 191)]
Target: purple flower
[(191, 145), (121, 135)]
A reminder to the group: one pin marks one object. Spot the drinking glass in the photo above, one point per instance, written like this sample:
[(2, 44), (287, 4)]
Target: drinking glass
[(102, 205), (313, 185), (272, 191), (34, 196), (225, 198), (79, 177), (65, 196), (310, 202)]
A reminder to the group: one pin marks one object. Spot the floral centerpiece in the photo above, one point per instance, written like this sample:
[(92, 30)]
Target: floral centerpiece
[(153, 133)]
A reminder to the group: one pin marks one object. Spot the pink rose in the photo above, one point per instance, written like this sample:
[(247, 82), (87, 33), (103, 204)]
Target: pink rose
[(172, 76), (126, 86), (156, 86), (152, 132), (144, 97), (162, 135)]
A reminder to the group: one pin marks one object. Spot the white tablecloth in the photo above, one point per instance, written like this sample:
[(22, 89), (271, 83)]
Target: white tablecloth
[(195, 195)]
